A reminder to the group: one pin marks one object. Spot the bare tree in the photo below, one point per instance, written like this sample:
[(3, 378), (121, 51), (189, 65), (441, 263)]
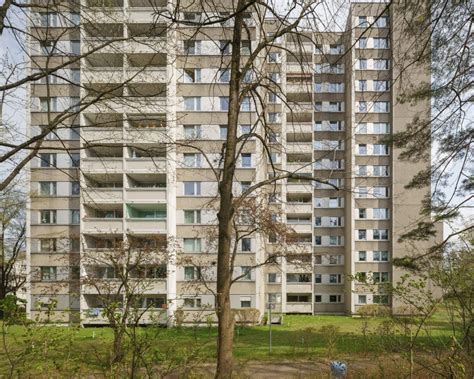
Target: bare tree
[(119, 281), (12, 242)]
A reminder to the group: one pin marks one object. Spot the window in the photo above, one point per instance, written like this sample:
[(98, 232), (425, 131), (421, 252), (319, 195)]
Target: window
[(75, 47), (335, 259), (335, 49), (274, 298), (224, 103), (275, 77), (335, 298), (380, 277), (48, 273), (362, 149), (362, 213), (273, 278), (75, 133), (274, 57), (273, 98), (317, 240), (192, 103), (381, 128), (75, 19), (380, 43), (75, 217), (298, 278), (318, 259), (362, 42), (381, 106), (335, 202), (380, 213), (361, 128), (317, 278), (381, 171), (192, 131), (362, 299), (318, 298), (48, 159), (192, 273), (362, 106), (381, 149), (274, 117), (245, 47), (74, 244), (192, 188), (381, 64), (362, 234), (380, 192), (224, 46), (362, 256), (380, 234), (75, 160), (49, 19), (246, 160), (223, 131), (192, 75), (362, 85), (335, 106), (363, 23), (47, 47), (192, 245), (335, 240), (380, 85), (48, 244), (245, 302), (336, 87), (246, 244), (381, 256), (245, 105), (192, 302), (224, 75), (48, 217), (362, 64), (192, 160), (192, 216), (75, 75), (48, 188), (335, 278), (246, 272), (244, 186), (380, 299), (381, 22), (362, 192), (362, 170), (192, 47)]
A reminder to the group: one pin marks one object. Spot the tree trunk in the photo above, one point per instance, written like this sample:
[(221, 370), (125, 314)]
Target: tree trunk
[(227, 211), (117, 348)]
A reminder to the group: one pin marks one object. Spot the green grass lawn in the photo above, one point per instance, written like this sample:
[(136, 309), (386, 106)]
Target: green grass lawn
[(46, 349)]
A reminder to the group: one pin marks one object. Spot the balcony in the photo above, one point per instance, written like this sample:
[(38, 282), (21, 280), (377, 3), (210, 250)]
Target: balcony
[(299, 187), (299, 207), (299, 167), (102, 225), (145, 164), (299, 147), (102, 195), (145, 194), (146, 218), (299, 287), (96, 164), (91, 135), (306, 308)]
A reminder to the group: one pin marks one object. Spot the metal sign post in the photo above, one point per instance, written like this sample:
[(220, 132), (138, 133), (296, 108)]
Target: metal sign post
[(270, 307)]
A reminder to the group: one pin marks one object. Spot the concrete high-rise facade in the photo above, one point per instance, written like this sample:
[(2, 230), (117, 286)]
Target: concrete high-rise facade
[(141, 122)]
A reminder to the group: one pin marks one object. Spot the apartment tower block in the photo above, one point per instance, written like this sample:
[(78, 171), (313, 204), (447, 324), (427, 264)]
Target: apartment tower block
[(119, 168)]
